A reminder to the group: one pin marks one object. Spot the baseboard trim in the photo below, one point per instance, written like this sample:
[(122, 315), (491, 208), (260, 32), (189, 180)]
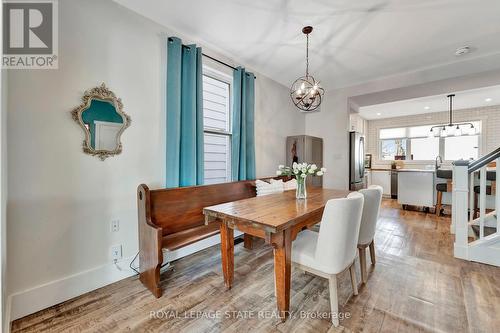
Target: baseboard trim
[(46, 295), (29, 301)]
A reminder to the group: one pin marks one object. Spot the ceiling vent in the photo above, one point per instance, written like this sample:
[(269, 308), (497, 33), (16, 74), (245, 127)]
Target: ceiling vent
[(462, 50)]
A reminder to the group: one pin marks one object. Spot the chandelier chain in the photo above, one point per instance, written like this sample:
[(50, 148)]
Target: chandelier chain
[(451, 108), (307, 55)]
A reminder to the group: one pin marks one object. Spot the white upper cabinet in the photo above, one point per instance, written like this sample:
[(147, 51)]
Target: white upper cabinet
[(357, 123)]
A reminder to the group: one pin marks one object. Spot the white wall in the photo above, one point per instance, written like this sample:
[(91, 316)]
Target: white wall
[(275, 119), (61, 201), (332, 124)]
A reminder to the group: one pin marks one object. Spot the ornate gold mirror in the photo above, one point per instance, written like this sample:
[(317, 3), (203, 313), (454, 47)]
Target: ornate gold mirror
[(103, 121)]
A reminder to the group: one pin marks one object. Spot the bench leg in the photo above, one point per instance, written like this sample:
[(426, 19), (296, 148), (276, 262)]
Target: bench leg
[(247, 241), (150, 237), (150, 258), (151, 280)]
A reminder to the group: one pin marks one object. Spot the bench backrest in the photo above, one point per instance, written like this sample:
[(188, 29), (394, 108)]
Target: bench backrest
[(178, 209)]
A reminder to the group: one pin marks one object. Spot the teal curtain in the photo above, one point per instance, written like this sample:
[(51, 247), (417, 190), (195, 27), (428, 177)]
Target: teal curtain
[(243, 138), (184, 155)]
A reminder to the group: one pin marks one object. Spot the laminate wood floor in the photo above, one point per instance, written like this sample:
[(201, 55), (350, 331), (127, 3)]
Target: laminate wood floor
[(416, 286)]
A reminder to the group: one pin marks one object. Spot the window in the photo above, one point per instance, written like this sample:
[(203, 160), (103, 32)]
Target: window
[(461, 147), (217, 126), (393, 149), (424, 149), (414, 143)]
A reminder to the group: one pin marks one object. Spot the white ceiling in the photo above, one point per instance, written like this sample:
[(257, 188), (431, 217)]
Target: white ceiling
[(352, 41), (462, 100)]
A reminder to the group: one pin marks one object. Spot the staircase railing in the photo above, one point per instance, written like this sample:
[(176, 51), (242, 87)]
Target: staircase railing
[(465, 200)]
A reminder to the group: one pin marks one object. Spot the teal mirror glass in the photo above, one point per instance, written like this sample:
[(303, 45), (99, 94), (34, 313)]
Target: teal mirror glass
[(103, 121)]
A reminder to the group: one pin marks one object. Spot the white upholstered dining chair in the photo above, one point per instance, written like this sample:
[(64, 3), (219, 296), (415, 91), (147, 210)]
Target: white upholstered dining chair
[(371, 209), (333, 249)]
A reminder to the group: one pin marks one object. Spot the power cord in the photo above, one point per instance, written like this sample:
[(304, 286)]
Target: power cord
[(135, 268), (132, 267)]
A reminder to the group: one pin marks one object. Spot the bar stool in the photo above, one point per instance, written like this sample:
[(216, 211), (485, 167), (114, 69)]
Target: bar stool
[(442, 187)]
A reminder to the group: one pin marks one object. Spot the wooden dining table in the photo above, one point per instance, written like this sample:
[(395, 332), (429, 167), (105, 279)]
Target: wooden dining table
[(276, 218)]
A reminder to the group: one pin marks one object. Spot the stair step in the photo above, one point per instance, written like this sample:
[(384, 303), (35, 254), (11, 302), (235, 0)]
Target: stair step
[(487, 230)]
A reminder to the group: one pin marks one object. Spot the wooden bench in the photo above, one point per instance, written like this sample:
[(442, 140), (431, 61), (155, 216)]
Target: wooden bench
[(173, 218)]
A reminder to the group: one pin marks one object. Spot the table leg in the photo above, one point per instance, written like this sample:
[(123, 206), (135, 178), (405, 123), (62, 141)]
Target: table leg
[(227, 253), (247, 241), (282, 272)]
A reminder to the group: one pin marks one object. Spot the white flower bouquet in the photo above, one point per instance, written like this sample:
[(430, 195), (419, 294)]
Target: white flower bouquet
[(300, 171)]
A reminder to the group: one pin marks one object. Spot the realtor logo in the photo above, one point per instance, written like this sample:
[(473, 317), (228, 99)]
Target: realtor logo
[(30, 34)]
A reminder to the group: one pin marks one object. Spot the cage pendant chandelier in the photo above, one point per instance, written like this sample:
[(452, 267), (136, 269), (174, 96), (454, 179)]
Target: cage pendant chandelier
[(456, 128), (306, 92)]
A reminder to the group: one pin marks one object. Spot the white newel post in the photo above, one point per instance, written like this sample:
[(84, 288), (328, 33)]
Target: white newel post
[(460, 206)]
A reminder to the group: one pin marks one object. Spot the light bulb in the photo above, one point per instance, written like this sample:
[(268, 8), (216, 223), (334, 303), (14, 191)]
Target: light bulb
[(431, 133), (458, 131), (443, 132), (302, 86), (472, 130)]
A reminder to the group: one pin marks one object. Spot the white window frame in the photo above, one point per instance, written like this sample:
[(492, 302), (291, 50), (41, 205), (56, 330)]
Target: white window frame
[(226, 78), (408, 142)]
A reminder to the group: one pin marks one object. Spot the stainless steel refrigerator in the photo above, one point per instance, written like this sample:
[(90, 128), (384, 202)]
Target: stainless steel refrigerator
[(356, 161), (305, 148)]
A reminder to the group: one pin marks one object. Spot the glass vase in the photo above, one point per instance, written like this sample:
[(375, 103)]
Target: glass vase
[(301, 192)]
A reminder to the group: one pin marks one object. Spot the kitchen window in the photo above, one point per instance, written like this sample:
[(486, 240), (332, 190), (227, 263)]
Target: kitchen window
[(424, 149), (414, 143), (393, 149), (217, 125), (457, 147)]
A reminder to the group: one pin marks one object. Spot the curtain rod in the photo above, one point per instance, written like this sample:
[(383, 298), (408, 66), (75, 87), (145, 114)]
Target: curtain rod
[(216, 60), (219, 61), (223, 63)]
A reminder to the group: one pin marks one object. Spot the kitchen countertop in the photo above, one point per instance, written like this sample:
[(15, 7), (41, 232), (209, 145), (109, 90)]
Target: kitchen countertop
[(402, 170)]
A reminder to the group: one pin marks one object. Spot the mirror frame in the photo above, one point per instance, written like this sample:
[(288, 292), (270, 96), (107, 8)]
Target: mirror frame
[(104, 94)]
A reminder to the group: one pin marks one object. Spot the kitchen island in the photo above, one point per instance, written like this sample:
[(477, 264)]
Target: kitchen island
[(415, 187)]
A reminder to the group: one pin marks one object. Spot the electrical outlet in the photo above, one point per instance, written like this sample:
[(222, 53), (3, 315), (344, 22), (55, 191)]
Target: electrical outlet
[(115, 225), (116, 252)]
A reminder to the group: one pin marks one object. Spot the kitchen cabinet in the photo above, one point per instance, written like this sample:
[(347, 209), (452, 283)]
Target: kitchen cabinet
[(382, 178), (357, 123), (368, 175)]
